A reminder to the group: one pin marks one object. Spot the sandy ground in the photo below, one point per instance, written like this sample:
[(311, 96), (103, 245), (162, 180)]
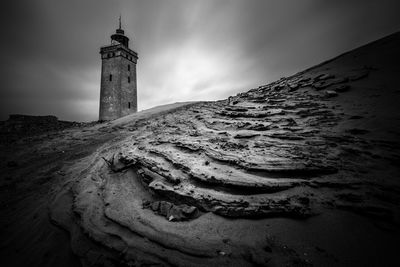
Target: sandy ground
[(33, 170), (300, 172)]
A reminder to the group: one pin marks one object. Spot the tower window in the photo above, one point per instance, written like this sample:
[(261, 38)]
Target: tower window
[(110, 78), (129, 79), (129, 105), (113, 54), (129, 67)]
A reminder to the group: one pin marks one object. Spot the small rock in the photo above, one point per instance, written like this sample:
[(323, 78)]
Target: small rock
[(145, 204), (293, 87), (218, 209), (324, 76), (320, 85), (155, 205), (331, 93), (164, 207), (188, 210), (341, 88)]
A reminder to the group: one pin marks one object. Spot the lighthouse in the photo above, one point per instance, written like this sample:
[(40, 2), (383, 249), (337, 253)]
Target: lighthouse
[(118, 87)]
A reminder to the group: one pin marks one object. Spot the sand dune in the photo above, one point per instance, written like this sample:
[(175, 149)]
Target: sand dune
[(300, 172)]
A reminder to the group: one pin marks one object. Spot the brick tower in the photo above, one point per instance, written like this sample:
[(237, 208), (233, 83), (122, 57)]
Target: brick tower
[(118, 89)]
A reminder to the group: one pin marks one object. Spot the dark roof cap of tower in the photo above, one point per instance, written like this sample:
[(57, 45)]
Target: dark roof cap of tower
[(119, 35)]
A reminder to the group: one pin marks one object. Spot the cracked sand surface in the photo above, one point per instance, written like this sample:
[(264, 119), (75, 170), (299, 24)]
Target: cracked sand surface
[(280, 175)]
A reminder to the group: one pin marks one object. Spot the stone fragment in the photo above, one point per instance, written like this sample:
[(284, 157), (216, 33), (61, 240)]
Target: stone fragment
[(155, 205), (294, 87), (188, 210), (320, 85), (324, 76), (341, 88), (331, 93), (171, 211), (164, 207)]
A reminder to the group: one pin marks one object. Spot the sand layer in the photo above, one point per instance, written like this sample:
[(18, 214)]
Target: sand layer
[(300, 172)]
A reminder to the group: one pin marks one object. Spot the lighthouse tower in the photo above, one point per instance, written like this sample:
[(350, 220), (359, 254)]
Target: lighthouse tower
[(118, 88)]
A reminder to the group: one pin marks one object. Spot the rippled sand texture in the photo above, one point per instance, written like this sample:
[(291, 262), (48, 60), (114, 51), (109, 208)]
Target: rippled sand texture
[(303, 171)]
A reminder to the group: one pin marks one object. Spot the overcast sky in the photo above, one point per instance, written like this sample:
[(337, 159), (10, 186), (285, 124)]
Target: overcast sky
[(188, 49)]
